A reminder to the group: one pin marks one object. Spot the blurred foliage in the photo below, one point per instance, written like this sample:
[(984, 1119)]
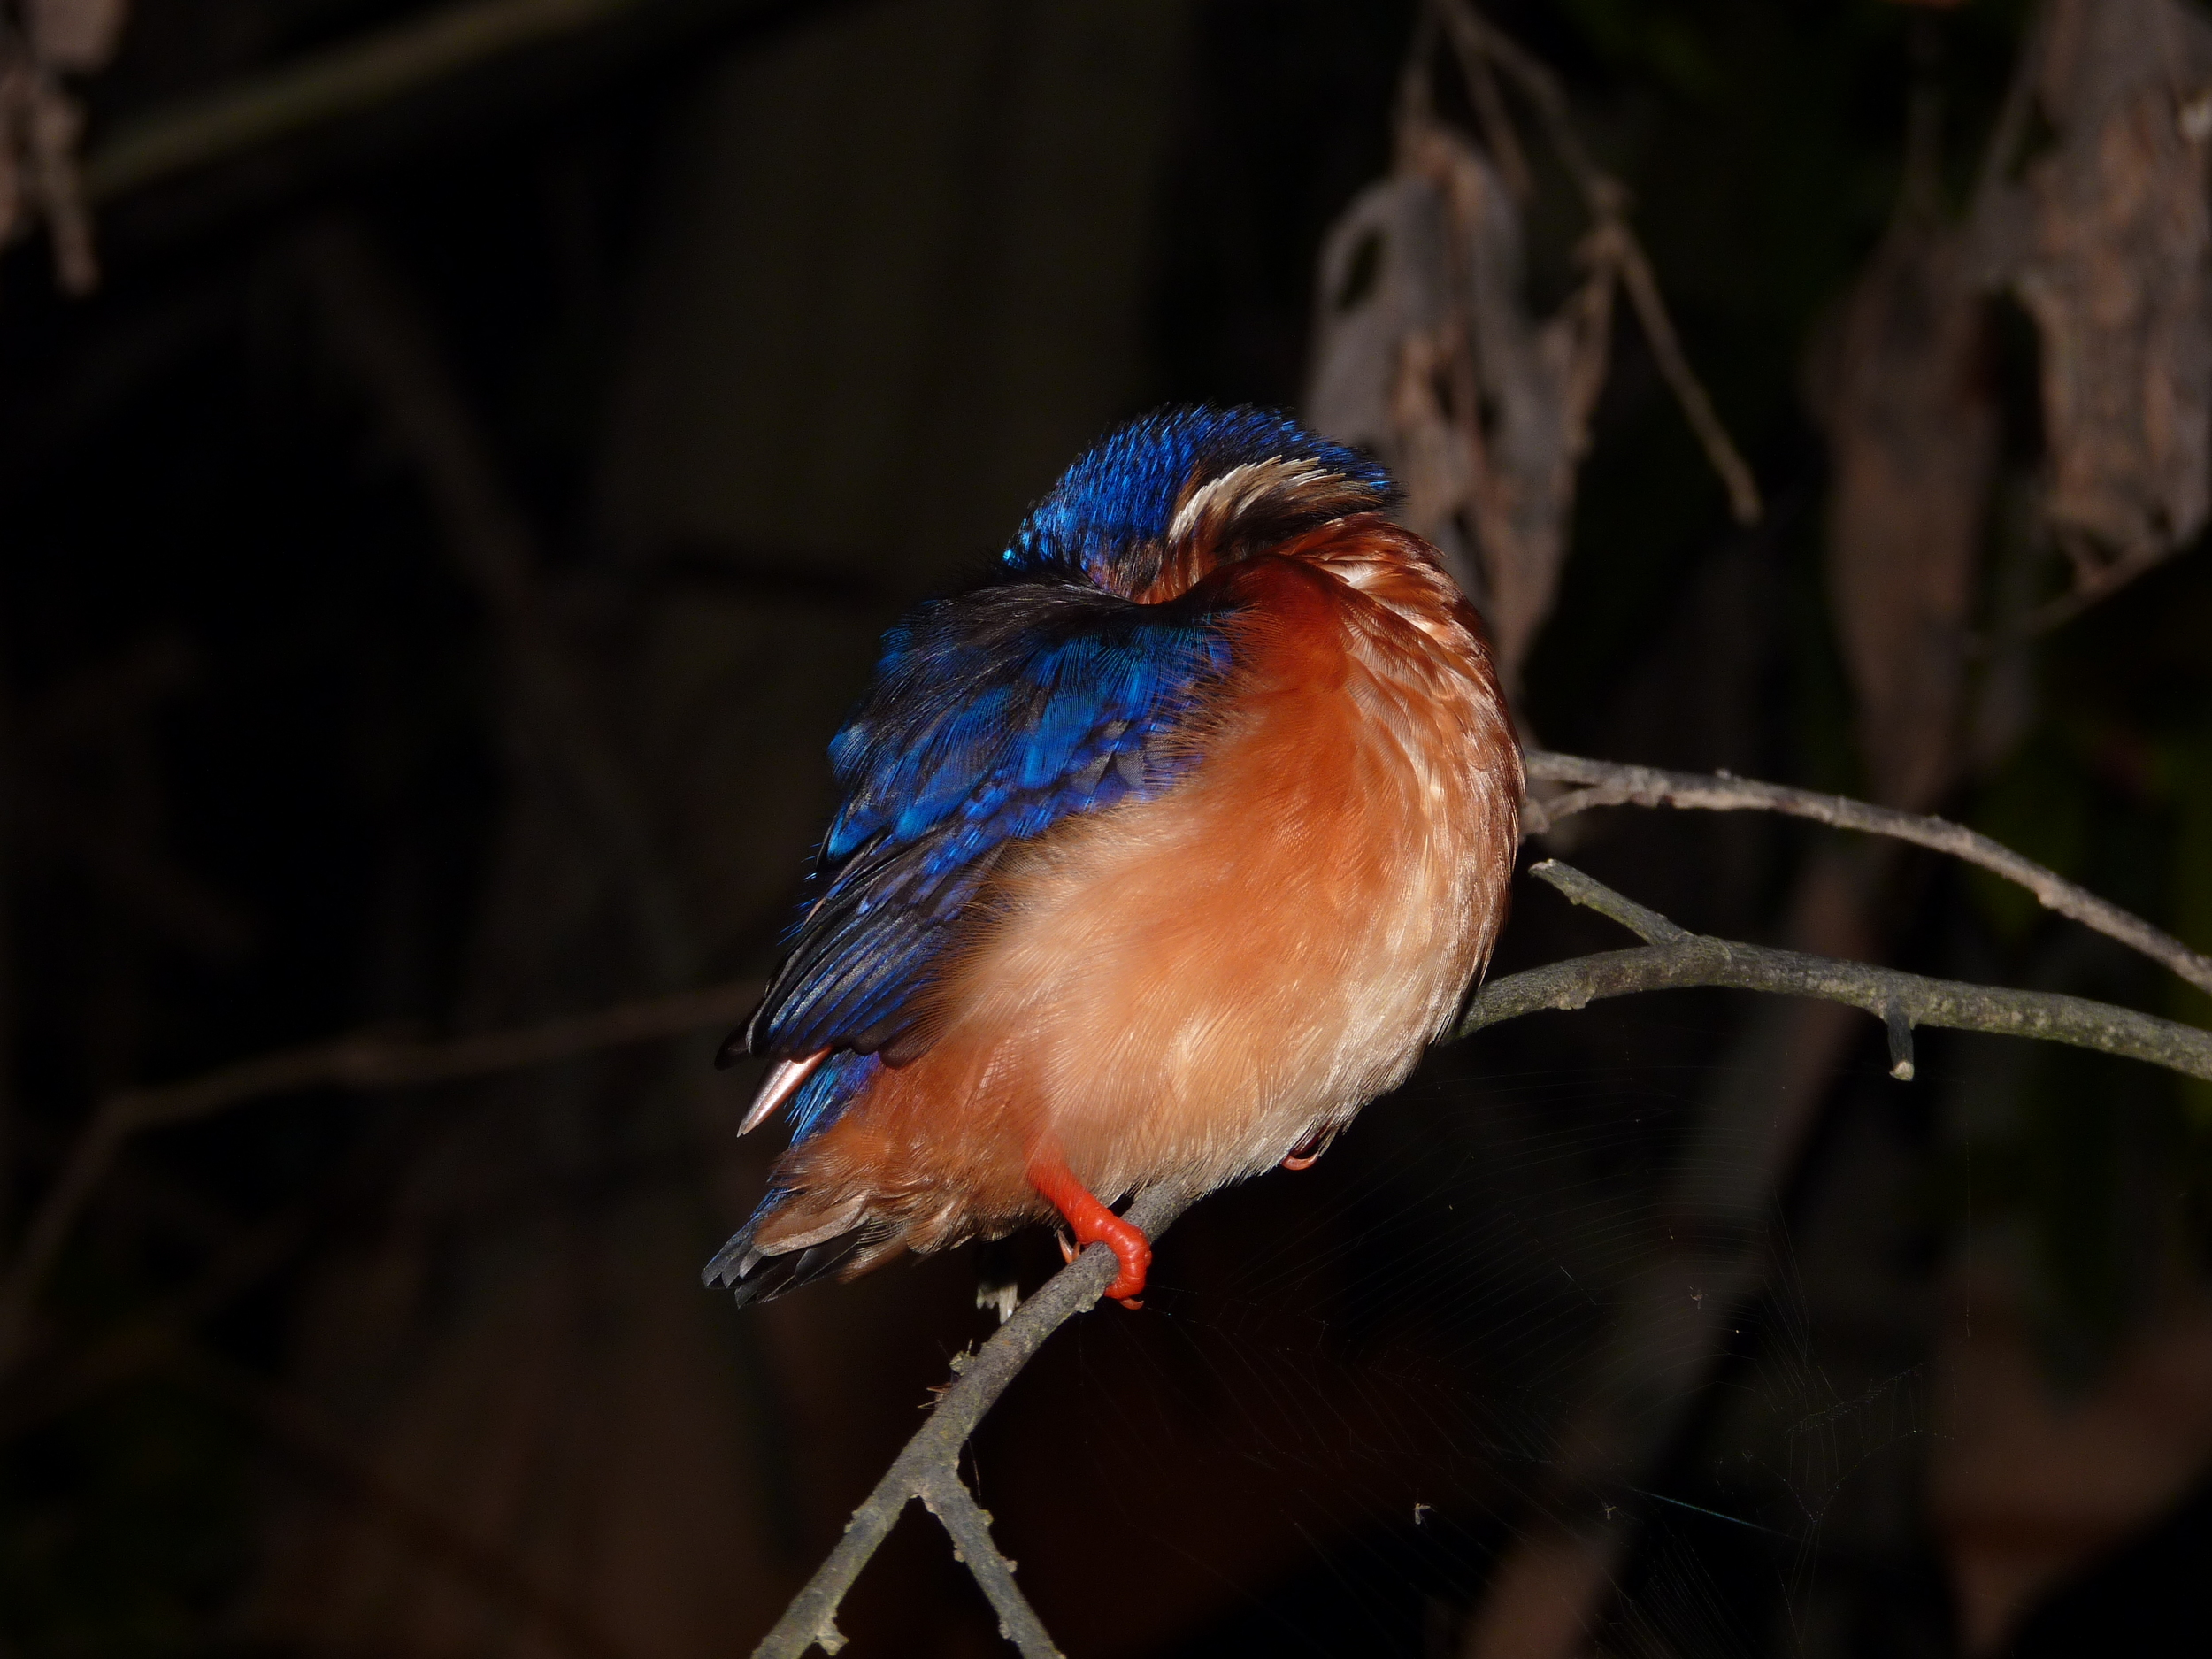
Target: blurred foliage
[(336, 770)]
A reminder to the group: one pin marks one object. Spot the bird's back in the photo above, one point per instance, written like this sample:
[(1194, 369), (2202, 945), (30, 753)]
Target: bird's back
[(1195, 981)]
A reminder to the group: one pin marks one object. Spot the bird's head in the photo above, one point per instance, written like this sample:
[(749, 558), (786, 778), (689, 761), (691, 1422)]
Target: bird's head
[(1164, 502)]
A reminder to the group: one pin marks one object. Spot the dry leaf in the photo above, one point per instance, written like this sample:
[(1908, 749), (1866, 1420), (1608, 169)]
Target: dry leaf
[(15, 119), (1384, 310), (2106, 242), (75, 36), (41, 124), (1426, 355), (1901, 387)]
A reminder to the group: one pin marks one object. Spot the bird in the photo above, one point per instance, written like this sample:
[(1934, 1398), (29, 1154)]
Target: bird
[(1161, 852)]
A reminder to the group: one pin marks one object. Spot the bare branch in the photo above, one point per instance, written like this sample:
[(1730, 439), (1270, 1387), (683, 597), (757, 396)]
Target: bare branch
[(1609, 783), (927, 1468), (1496, 120), (1647, 925), (1674, 366), (1614, 243), (947, 1497), (931, 1458), (1696, 960), (368, 1061), (346, 79), (1679, 960)]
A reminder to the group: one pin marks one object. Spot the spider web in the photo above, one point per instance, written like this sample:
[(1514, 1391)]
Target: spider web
[(1355, 1397)]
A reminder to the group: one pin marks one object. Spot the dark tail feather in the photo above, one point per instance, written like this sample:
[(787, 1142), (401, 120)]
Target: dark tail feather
[(751, 1274)]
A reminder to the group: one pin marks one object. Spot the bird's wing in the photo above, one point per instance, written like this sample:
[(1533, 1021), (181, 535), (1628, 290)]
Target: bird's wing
[(993, 717)]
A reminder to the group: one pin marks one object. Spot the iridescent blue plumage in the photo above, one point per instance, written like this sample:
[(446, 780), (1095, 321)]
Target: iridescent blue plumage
[(997, 713), (1120, 498), (1097, 671), (993, 716)]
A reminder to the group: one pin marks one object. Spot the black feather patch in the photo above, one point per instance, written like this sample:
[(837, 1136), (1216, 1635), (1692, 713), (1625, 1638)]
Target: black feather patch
[(750, 1275)]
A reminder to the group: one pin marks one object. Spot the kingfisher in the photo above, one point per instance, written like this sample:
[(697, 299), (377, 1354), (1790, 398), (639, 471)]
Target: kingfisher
[(1159, 855)]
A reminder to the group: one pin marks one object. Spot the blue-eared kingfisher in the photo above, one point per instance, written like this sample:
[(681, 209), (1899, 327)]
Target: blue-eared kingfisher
[(1159, 855)]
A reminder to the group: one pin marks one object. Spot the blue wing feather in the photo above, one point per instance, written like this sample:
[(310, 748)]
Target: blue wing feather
[(993, 716)]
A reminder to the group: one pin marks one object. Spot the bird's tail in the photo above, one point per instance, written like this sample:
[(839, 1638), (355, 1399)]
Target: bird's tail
[(753, 1271)]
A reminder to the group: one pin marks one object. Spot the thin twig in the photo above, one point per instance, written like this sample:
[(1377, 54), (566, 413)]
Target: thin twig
[(2091, 588), (1473, 33), (1480, 42), (1689, 391), (933, 1455), (365, 1062), (947, 1497), (1647, 925), (1610, 783), (1496, 119), (1695, 959), (1679, 961), (2011, 128), (346, 79)]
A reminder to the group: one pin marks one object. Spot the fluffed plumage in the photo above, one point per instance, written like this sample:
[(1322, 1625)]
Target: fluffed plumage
[(1159, 856)]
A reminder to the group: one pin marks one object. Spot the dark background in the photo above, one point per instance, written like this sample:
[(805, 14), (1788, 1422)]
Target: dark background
[(430, 568)]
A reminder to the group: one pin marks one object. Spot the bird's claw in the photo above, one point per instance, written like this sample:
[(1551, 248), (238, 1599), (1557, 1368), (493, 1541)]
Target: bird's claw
[(1091, 1223)]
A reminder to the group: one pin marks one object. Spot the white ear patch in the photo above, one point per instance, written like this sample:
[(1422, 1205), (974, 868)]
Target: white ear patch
[(1219, 501)]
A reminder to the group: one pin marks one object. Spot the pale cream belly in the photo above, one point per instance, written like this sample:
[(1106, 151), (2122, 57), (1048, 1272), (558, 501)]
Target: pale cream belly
[(1188, 989)]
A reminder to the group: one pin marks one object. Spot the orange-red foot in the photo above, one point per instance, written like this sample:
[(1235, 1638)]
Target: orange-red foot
[(1091, 1223)]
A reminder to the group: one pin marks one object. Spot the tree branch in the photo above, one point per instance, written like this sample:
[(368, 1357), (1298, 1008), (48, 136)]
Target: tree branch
[(367, 1061), (345, 79), (1676, 960), (928, 1468), (947, 1497), (1647, 925), (1693, 959), (1609, 783)]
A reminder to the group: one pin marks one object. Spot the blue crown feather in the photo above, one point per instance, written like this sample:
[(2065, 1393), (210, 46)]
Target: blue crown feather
[(1123, 493)]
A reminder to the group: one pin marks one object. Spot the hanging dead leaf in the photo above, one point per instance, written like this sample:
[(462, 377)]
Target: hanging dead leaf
[(41, 124), (1426, 355), (2107, 243), (75, 36), (1900, 384), (1523, 391), (1380, 351)]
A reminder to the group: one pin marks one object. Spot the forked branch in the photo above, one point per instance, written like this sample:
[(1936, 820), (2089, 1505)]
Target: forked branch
[(928, 1469), (1673, 959), (1610, 783), (363, 1061), (1677, 960)]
